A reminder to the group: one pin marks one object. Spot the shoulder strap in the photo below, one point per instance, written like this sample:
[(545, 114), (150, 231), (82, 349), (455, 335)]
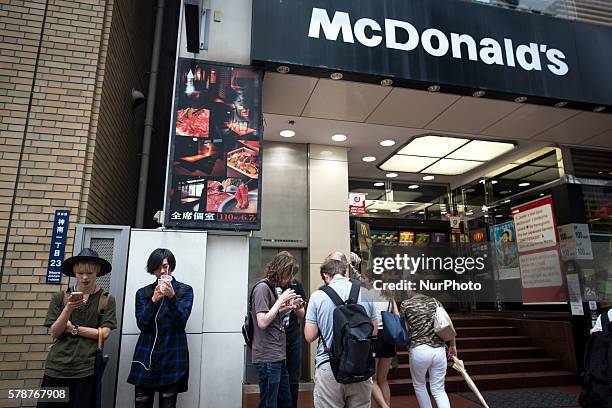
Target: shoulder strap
[(333, 295), (605, 322), (103, 301), (354, 295), (253, 289)]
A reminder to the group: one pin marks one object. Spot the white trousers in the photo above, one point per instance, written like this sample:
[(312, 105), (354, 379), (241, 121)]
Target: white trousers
[(424, 359)]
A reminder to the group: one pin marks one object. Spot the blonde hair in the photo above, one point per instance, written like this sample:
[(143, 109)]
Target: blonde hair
[(280, 268), (86, 267)]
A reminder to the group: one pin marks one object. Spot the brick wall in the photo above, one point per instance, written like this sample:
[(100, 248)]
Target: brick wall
[(80, 148)]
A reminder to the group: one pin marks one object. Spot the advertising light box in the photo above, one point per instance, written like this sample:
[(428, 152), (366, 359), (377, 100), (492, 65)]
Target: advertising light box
[(214, 172)]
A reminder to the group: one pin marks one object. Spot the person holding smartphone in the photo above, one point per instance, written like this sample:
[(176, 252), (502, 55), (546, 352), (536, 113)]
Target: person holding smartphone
[(293, 333), (161, 357), (74, 318)]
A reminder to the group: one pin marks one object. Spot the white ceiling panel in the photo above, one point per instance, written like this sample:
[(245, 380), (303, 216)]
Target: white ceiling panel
[(578, 128), (527, 121), (344, 100), (412, 164), (411, 108), (472, 115), (286, 94), (601, 140)]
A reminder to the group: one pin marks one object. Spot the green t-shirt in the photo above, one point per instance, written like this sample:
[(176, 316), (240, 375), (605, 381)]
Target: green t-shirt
[(74, 356)]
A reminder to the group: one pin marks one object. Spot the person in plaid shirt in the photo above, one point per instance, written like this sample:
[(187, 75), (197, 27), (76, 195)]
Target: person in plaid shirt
[(161, 357)]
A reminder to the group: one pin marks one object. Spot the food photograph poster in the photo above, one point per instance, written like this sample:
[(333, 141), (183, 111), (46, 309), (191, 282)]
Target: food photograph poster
[(214, 172)]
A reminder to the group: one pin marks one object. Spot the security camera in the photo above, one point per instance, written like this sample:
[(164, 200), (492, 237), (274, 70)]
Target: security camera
[(137, 97)]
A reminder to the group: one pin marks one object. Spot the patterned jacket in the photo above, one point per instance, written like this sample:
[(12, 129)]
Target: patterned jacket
[(161, 356)]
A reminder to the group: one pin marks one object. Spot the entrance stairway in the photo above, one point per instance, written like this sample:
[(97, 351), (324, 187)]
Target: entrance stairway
[(495, 356)]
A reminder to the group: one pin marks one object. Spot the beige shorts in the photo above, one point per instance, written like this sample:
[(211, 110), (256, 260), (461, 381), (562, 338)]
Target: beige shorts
[(328, 393)]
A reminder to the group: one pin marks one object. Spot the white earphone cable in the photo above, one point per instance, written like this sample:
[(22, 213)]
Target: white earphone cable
[(154, 341)]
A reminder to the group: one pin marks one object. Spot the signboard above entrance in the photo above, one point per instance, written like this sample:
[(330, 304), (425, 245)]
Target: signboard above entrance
[(419, 43)]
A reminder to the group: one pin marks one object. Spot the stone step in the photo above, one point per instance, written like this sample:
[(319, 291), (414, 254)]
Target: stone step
[(456, 383)]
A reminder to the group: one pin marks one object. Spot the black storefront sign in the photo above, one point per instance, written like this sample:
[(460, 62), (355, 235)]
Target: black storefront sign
[(214, 175), (457, 44)]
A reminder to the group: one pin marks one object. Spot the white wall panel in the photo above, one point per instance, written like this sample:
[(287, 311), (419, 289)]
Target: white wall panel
[(189, 249)]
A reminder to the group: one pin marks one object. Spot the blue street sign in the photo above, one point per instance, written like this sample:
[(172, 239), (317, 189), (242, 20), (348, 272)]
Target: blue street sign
[(58, 243)]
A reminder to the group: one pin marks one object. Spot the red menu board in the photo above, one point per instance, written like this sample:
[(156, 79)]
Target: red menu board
[(214, 175)]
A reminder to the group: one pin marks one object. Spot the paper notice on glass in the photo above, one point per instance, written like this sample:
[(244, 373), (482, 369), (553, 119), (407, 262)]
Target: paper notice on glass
[(575, 242), (540, 269), (575, 297), (577, 309)]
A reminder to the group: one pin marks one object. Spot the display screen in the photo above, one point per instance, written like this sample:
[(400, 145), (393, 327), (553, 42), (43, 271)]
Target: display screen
[(214, 176)]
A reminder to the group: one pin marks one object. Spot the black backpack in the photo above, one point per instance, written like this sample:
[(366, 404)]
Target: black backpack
[(247, 327), (350, 353), (597, 377)]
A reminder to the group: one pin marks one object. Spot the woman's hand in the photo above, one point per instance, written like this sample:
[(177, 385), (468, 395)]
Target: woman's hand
[(452, 351), (71, 305), (157, 294), (69, 327), (167, 290)]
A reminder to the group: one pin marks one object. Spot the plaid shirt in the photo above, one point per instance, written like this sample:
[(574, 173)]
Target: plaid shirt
[(169, 361)]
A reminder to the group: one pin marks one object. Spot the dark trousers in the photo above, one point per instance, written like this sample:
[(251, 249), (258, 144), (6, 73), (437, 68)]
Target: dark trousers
[(273, 385), (81, 392), (294, 357), (144, 396)]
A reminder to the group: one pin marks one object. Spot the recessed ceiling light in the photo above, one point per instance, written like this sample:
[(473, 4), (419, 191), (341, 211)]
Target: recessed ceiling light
[(506, 201), (368, 158), (433, 88), (391, 175), (379, 184), (599, 109), (287, 133), (421, 212), (541, 194), (386, 82), (493, 181), (339, 138), (499, 215), (195, 139), (470, 190), (336, 76), (524, 184), (432, 146), (469, 213), (373, 210), (560, 104), (481, 150), (413, 186), (282, 69), (394, 210), (387, 143), (478, 94), (520, 99), (427, 178)]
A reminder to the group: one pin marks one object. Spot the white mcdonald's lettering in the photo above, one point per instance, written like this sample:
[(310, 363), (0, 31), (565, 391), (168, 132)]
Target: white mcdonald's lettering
[(369, 33)]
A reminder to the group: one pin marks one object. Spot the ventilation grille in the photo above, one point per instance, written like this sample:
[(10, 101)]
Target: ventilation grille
[(104, 247)]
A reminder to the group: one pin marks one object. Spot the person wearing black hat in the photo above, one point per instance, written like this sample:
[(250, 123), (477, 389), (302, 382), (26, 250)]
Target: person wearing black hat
[(75, 317)]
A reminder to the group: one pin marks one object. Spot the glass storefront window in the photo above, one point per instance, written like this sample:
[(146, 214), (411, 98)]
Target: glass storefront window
[(583, 10), (403, 199)]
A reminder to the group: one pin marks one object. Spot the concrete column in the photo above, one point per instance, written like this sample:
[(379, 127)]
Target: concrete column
[(327, 210)]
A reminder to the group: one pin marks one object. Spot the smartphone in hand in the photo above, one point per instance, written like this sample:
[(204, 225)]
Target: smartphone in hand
[(76, 296)]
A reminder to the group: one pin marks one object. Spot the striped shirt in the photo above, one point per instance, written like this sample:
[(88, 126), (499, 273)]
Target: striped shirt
[(418, 312)]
